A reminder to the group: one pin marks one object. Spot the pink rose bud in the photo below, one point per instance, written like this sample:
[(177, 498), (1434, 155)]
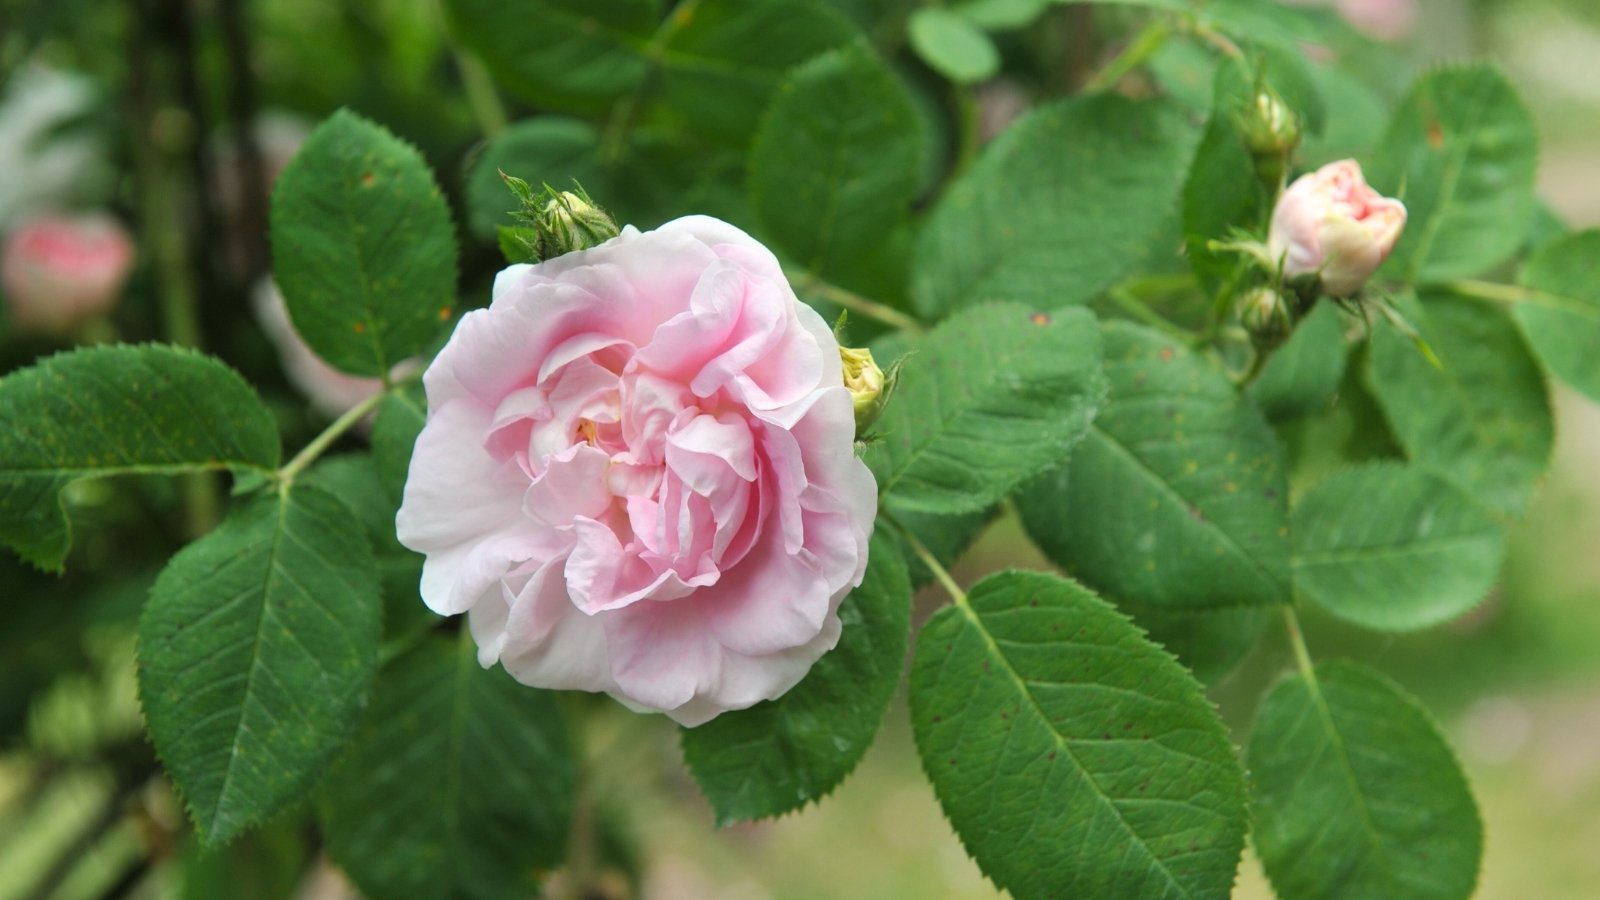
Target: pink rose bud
[(331, 392), (1329, 223), (638, 475), (61, 272)]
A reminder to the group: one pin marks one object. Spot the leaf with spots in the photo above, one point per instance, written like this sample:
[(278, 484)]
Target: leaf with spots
[(459, 782), (986, 400), (114, 410), (1177, 498), (1073, 757), (1355, 793), (779, 755), (1461, 152), (1062, 205), (255, 653), (362, 246)]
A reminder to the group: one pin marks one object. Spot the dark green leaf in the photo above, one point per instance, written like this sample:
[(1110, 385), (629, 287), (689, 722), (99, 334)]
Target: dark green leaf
[(459, 782), (116, 410), (1562, 321), (1073, 757), (1483, 420), (1394, 548), (394, 433), (1177, 499), (255, 653), (362, 245), (544, 150), (986, 400), (1062, 205), (568, 54), (1302, 376), (835, 165), (781, 754), (1461, 153), (1356, 794), (1210, 642), (952, 45)]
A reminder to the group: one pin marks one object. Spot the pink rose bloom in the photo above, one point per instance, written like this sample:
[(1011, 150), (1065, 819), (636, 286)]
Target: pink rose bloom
[(60, 272), (1331, 224), (331, 392), (1383, 20), (638, 475)]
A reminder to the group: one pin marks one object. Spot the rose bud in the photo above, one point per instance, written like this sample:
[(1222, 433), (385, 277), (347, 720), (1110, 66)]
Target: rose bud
[(1330, 224), (1263, 313), (637, 474), (866, 384), (1271, 128), (61, 272), (331, 392)]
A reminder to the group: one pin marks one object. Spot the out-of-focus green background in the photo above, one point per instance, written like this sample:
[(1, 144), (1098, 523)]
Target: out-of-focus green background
[(1516, 684)]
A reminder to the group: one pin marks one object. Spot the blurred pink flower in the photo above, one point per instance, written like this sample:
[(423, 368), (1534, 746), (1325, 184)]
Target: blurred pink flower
[(331, 392), (60, 272), (1331, 224), (1382, 20)]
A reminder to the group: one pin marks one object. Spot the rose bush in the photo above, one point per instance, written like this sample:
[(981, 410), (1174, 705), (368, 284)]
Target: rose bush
[(637, 474), (1331, 224)]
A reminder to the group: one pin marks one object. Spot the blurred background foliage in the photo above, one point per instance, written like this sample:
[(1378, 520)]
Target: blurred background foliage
[(169, 87)]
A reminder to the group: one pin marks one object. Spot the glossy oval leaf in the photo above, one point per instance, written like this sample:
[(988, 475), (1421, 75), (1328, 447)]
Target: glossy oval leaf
[(1562, 317), (1063, 204), (1177, 499), (781, 754), (567, 54), (1394, 548), (1302, 377), (362, 246), (986, 400), (459, 782), (1461, 152), (1073, 757), (1355, 793), (114, 410), (836, 163), (1482, 419), (952, 44), (256, 650)]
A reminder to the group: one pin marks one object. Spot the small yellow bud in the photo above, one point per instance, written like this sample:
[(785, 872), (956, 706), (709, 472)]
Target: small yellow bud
[(869, 387)]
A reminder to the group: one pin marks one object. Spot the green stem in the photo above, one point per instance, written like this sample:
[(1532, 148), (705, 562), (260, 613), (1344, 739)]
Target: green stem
[(1137, 308), (1148, 286), (323, 441), (1215, 38), (1141, 48), (872, 309), (481, 95), (614, 135), (940, 573), (1297, 640), (1492, 291)]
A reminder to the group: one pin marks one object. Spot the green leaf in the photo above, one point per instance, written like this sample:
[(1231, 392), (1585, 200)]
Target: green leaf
[(1302, 376), (567, 54), (114, 410), (1209, 642), (1177, 499), (835, 164), (255, 653), (1073, 757), (1461, 152), (1357, 795), (362, 244), (458, 784), (779, 755), (1061, 206), (722, 59), (986, 400), (1562, 321), (401, 415), (953, 45), (545, 150), (1394, 548), (1000, 15), (1483, 420)]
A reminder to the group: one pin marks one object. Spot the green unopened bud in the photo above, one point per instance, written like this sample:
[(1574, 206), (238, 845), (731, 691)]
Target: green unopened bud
[(868, 385), (1271, 128), (553, 223), (1265, 315)]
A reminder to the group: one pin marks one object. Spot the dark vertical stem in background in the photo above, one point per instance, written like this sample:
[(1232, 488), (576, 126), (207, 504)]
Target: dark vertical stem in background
[(242, 109), (177, 27)]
